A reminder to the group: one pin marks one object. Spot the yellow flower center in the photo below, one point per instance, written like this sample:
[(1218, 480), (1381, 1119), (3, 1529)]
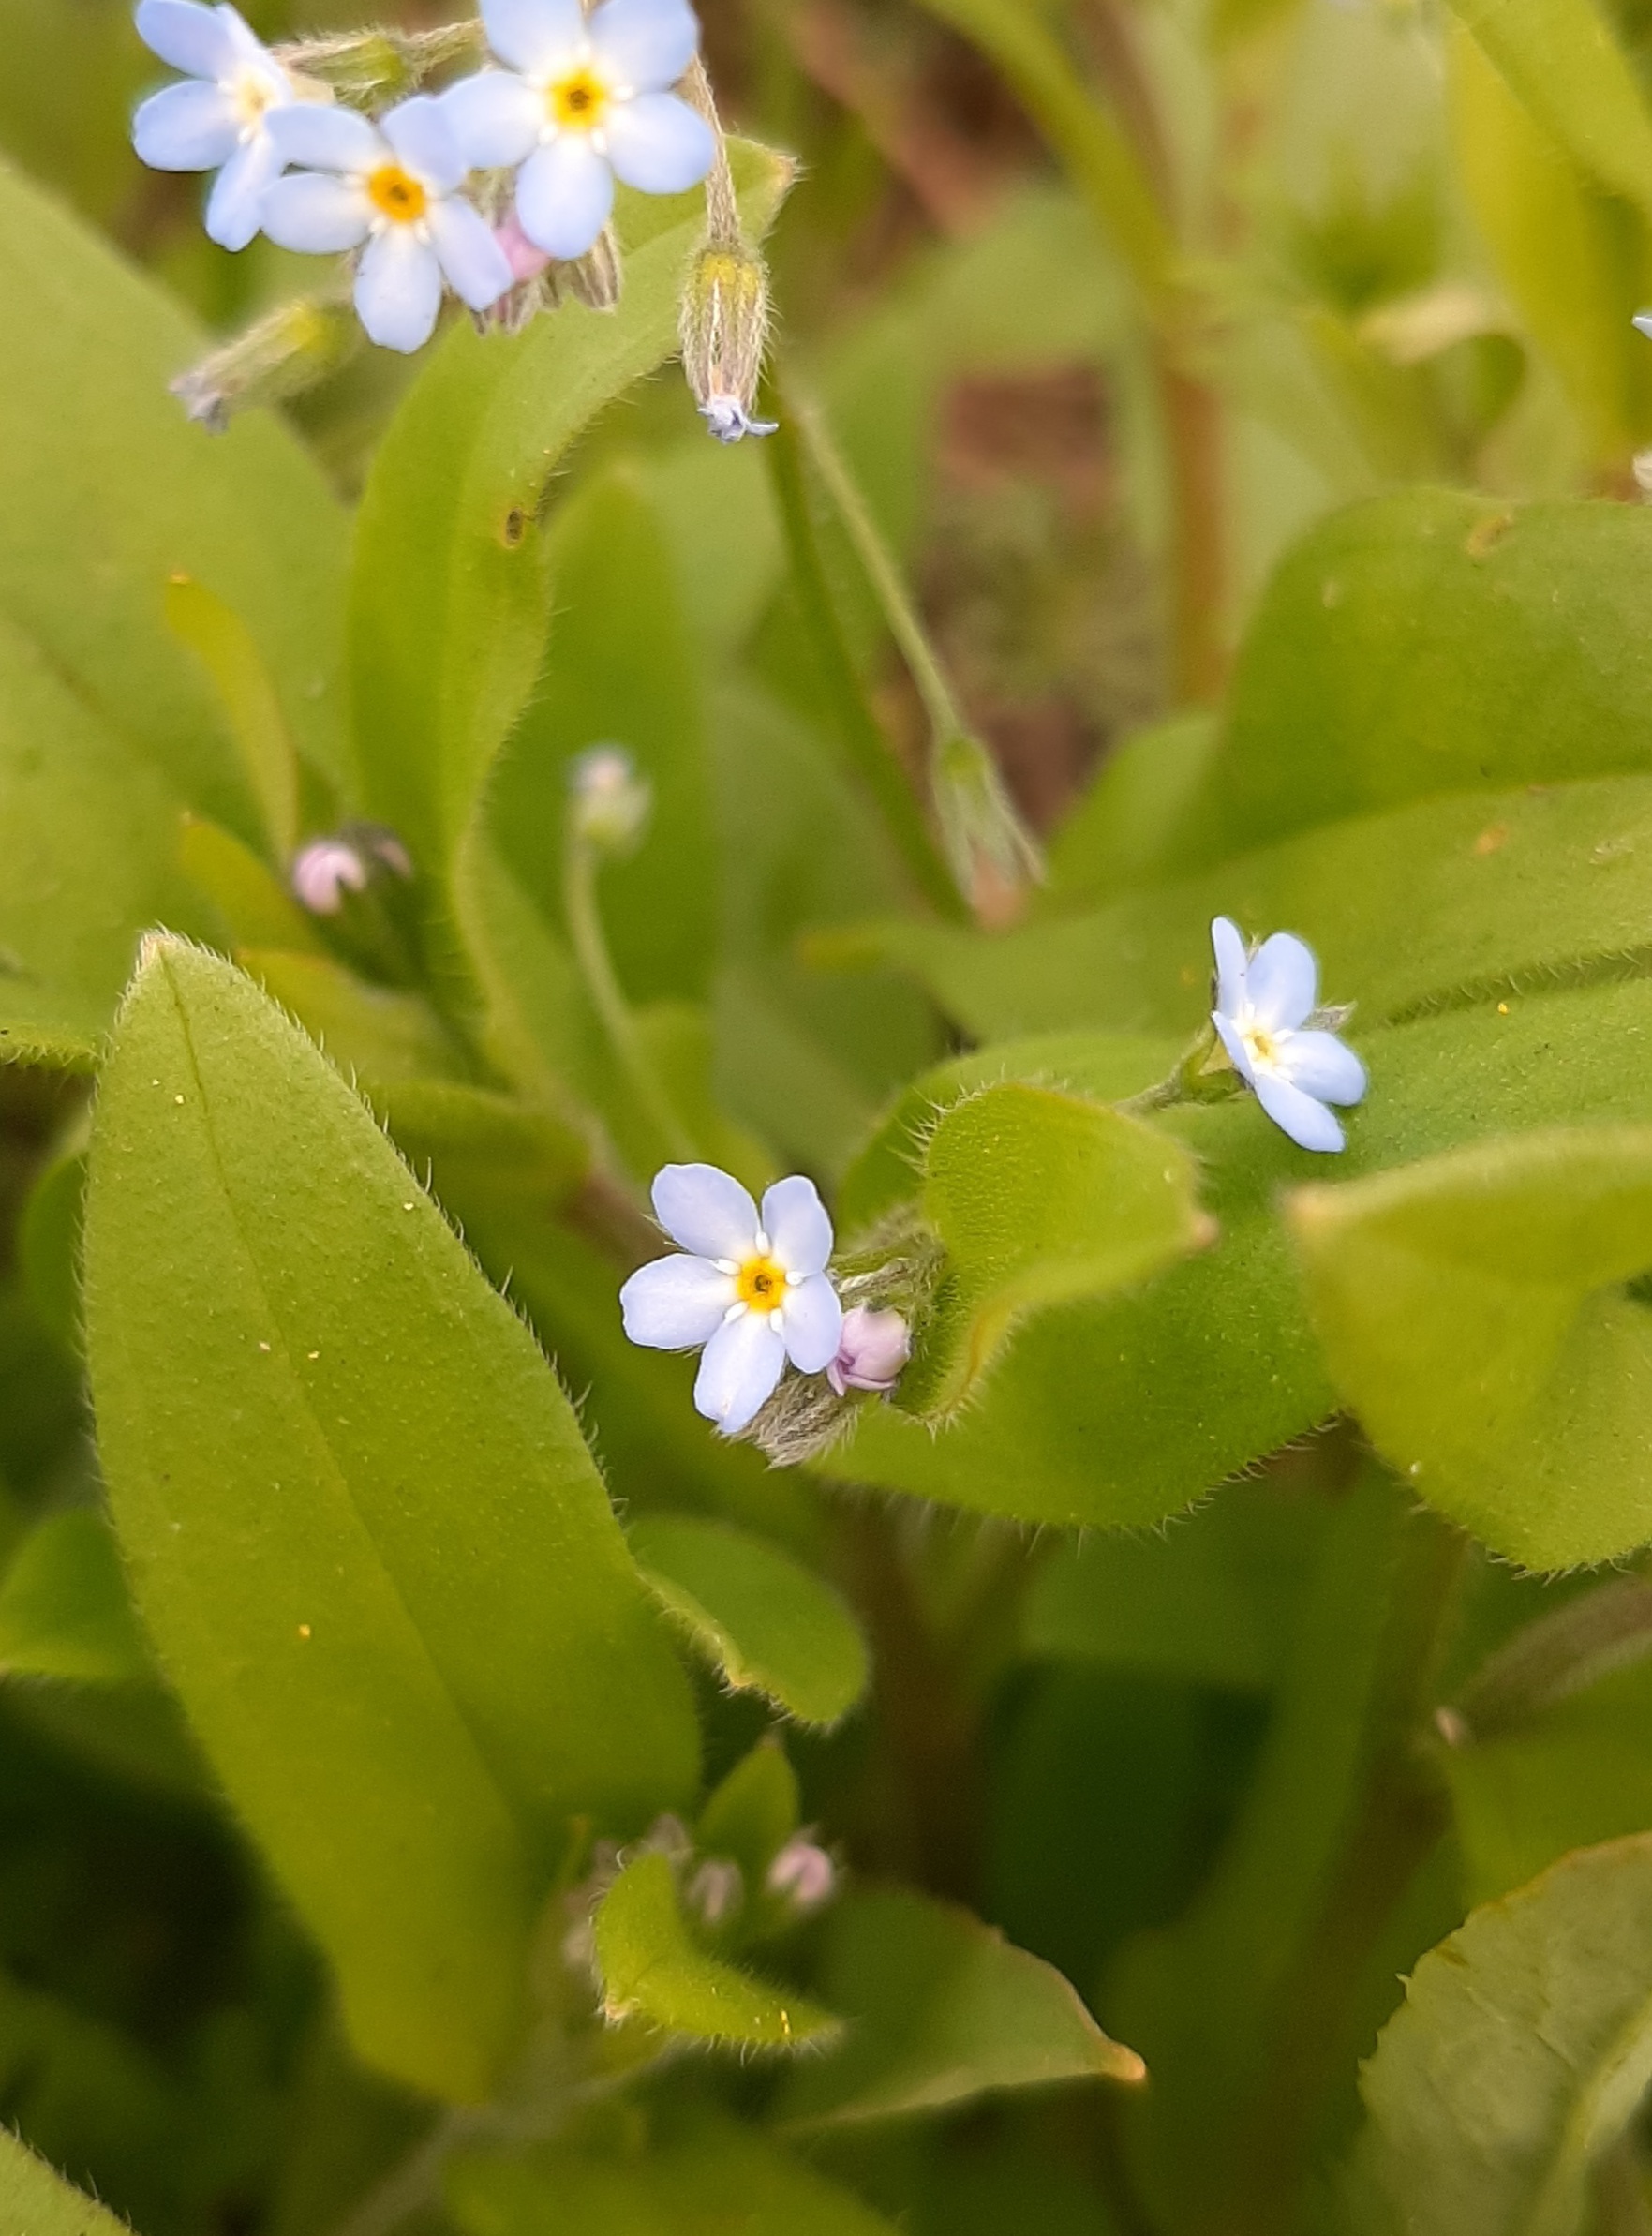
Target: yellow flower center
[(761, 1285), (1264, 1049), (250, 96), (396, 195), (578, 102)]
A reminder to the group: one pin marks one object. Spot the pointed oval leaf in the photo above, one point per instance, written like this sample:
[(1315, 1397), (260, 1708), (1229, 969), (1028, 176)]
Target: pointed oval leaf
[(34, 2202), (1472, 1311), (941, 2008), (653, 1969), (1520, 2054), (762, 1619), (361, 1522), (63, 1607)]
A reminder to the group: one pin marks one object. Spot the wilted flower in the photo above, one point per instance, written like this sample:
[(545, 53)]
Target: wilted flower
[(218, 119), (802, 1874), (752, 1291), (725, 322), (580, 103), (393, 186), (1264, 1000), (872, 1349)]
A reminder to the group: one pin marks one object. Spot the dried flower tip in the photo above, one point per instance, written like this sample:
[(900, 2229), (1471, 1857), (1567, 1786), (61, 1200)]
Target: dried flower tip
[(802, 1874), (609, 802), (724, 323), (291, 351), (597, 277), (873, 1351), (979, 826)]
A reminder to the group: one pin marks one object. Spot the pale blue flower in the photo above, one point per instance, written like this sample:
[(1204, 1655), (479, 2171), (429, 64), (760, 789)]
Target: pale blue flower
[(1264, 1002), (578, 104), (753, 1291), (390, 189), (218, 117)]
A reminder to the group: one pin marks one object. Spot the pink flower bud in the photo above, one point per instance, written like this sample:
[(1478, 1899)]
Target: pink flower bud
[(324, 871), (803, 1873), (524, 259), (871, 1350)]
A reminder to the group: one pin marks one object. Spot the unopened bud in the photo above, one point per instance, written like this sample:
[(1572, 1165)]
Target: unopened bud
[(802, 1874), (724, 323), (984, 837), (716, 1890), (609, 801), (873, 1351), (348, 862), (524, 259), (292, 350)]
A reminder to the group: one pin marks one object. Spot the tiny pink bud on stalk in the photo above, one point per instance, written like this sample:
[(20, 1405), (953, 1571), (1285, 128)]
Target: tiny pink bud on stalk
[(292, 350), (802, 1874), (609, 803), (873, 1351), (324, 871), (716, 1890), (524, 259)]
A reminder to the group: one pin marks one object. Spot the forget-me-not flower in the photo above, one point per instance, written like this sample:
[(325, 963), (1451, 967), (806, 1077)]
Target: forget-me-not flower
[(218, 117), (753, 1291), (579, 104), (1263, 1004), (394, 186)]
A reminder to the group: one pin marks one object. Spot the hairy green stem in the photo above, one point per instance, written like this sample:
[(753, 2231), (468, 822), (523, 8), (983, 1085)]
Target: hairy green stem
[(1561, 1654), (607, 996), (869, 752)]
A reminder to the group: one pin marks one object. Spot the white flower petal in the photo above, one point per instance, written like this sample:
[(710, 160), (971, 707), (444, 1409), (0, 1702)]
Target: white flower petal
[(1308, 1122), (1229, 943), (398, 289), (186, 128), (644, 45), (1324, 1066), (317, 214), (536, 36), (658, 144), (249, 50), (327, 139), (193, 39), (1233, 1042), (795, 1222), (1283, 982), (423, 139), (235, 207), (811, 1324), (475, 266), (742, 1363), (676, 1304), (705, 1210), (495, 119), (564, 193)]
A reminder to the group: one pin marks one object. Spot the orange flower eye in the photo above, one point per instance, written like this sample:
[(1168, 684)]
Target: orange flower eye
[(396, 195)]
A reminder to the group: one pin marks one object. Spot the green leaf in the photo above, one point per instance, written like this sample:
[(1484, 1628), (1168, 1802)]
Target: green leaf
[(1520, 2055), (258, 911), (1562, 63), (716, 2176), (49, 1241), (1041, 1198), (1420, 907), (754, 1811), (653, 1969), (64, 1608), (37, 2203), (373, 1033), (448, 603), (769, 1624), (1123, 831), (1214, 1599), (224, 644), (486, 1148), (940, 2009), (1472, 1311), (360, 1521)]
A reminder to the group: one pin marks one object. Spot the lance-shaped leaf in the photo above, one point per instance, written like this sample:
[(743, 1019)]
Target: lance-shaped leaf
[(448, 608), (1473, 1313), (34, 2202), (769, 1624), (64, 1609), (360, 1518), (940, 2009), (1520, 2055), (652, 1968), (1041, 1198), (225, 646)]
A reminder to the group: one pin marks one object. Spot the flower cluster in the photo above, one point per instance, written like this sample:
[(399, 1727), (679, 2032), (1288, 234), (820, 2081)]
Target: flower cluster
[(753, 1291), (566, 106)]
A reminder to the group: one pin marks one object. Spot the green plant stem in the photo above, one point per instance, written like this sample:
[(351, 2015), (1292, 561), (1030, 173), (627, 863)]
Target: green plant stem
[(1607, 1628), (607, 996), (869, 752)]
